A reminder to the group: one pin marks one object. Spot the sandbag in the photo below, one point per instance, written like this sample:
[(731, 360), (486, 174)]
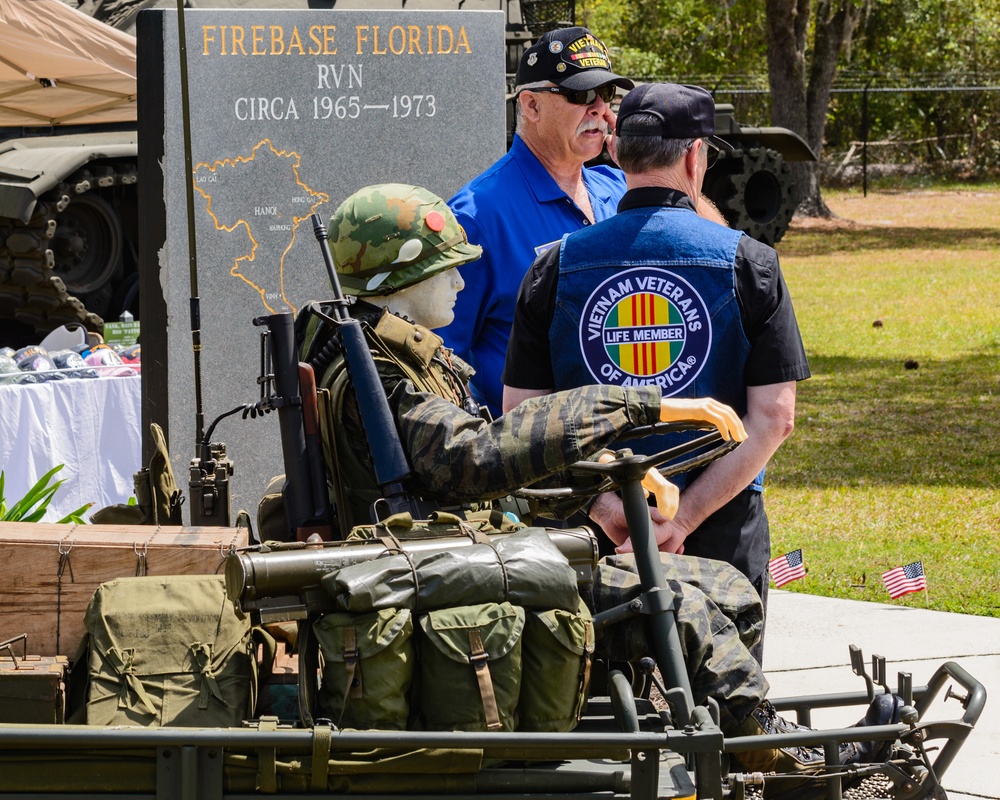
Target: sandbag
[(556, 652), (525, 569), (470, 667), (367, 668), (168, 651)]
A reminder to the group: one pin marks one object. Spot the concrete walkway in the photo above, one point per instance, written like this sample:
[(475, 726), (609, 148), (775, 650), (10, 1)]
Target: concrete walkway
[(806, 652)]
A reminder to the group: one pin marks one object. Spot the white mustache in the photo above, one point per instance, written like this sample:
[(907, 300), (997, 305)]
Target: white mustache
[(592, 124)]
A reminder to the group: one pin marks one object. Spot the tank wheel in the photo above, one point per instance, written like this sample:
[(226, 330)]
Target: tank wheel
[(753, 189), (87, 244)]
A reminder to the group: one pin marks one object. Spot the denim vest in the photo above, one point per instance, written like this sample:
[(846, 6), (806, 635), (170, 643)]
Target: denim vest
[(648, 297)]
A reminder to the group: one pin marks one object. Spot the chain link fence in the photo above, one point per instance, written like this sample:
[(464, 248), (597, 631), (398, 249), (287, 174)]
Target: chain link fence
[(947, 128)]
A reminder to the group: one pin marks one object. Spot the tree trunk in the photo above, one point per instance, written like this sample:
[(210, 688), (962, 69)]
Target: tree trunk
[(799, 105)]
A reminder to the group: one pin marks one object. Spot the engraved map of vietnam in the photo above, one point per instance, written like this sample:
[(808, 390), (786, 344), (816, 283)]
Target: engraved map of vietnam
[(256, 250)]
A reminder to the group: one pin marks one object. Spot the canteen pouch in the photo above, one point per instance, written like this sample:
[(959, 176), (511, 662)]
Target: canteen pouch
[(556, 652), (470, 667), (367, 668), (158, 500), (168, 651)]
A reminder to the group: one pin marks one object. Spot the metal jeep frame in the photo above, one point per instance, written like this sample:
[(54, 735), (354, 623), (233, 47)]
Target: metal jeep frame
[(623, 747)]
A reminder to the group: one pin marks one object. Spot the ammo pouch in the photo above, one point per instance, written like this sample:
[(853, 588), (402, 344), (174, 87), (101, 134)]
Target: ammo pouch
[(168, 651), (555, 668), (367, 668), (470, 667)]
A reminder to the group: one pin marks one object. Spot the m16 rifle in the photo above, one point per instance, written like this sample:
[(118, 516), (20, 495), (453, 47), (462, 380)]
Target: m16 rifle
[(389, 462), (288, 385)]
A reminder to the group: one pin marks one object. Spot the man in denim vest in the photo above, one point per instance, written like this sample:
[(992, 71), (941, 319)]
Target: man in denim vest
[(657, 295)]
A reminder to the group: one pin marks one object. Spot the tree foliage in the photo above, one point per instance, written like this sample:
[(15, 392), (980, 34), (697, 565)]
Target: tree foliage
[(683, 39), (951, 44), (897, 44)]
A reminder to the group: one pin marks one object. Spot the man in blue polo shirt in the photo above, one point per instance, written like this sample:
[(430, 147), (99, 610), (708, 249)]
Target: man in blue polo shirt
[(540, 190)]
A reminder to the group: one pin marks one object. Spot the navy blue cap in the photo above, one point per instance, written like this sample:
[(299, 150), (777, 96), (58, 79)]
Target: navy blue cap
[(684, 112)]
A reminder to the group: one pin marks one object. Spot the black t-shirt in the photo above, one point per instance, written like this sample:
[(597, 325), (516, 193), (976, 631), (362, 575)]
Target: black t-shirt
[(776, 351)]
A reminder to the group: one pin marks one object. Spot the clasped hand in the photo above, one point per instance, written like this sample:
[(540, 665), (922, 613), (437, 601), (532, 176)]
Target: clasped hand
[(607, 510)]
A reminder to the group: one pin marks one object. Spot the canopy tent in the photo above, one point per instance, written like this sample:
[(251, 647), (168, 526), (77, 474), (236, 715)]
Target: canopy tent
[(59, 66)]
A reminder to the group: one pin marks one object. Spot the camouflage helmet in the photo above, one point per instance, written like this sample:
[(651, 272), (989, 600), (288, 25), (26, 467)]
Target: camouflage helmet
[(390, 236)]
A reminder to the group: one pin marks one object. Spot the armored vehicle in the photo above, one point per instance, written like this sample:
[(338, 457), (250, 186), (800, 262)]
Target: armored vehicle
[(68, 203), (68, 195)]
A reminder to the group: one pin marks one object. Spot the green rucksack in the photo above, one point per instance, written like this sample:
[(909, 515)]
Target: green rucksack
[(556, 653), (367, 668), (168, 651), (470, 667)]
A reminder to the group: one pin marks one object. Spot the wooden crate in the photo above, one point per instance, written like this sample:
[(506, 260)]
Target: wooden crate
[(50, 572)]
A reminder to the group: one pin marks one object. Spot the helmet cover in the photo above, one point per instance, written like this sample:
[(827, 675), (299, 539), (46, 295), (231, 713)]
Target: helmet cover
[(389, 236)]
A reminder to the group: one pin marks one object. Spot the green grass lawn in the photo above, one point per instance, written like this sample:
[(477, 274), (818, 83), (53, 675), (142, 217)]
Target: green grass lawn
[(890, 464)]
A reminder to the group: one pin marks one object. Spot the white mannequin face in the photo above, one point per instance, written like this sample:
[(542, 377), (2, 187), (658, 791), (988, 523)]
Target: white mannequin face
[(430, 303)]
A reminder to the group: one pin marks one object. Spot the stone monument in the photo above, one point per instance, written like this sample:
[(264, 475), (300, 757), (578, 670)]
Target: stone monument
[(290, 112)]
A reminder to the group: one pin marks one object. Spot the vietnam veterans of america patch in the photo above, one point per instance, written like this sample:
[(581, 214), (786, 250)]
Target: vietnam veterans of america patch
[(646, 326)]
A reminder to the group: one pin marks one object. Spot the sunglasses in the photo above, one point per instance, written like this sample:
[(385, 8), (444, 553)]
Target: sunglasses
[(584, 97), (713, 154)]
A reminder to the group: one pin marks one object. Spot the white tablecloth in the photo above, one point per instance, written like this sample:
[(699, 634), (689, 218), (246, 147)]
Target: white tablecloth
[(92, 426)]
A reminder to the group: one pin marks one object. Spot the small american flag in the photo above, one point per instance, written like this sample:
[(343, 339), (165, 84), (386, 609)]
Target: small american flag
[(903, 580), (787, 568)]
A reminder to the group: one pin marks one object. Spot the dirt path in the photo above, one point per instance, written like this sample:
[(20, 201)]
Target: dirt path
[(938, 209)]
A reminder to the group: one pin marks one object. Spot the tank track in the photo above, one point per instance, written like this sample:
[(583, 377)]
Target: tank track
[(31, 289)]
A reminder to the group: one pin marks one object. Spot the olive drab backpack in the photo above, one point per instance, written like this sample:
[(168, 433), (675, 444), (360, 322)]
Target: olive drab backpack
[(470, 667), (400, 349), (368, 664), (167, 651)]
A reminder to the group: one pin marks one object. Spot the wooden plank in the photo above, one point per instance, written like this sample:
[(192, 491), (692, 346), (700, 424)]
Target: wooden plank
[(50, 572)]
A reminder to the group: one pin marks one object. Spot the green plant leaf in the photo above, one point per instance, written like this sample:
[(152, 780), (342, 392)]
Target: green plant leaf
[(76, 516), (33, 506), (37, 498)]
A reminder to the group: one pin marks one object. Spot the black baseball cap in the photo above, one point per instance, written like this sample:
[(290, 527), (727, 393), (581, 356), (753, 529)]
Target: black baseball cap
[(569, 57), (684, 112)]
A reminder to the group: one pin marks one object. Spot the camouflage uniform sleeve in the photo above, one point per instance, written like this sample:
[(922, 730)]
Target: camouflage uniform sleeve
[(462, 457)]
